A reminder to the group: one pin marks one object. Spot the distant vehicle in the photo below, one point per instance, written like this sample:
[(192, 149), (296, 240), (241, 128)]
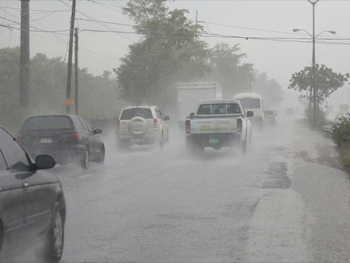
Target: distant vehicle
[(142, 125), (68, 138), (343, 108), (32, 204), (252, 102), (270, 117), (330, 109), (290, 112), (189, 94), (217, 124)]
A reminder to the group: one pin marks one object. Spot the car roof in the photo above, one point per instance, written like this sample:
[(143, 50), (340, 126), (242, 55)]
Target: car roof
[(247, 95), (140, 107), (220, 101), (55, 115)]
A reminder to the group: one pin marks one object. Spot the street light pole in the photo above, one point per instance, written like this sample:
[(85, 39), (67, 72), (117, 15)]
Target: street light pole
[(314, 88)]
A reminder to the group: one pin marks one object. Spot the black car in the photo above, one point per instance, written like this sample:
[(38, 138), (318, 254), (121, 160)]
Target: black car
[(67, 138), (32, 204)]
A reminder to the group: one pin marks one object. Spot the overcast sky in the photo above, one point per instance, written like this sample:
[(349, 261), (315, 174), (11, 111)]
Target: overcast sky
[(265, 19)]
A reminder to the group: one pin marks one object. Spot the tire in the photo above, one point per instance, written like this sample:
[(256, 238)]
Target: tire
[(191, 147), (244, 144), (85, 161), (124, 145), (103, 154), (1, 236), (53, 247), (161, 142)]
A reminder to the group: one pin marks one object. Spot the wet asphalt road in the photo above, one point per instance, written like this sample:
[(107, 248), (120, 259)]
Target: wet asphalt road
[(162, 205)]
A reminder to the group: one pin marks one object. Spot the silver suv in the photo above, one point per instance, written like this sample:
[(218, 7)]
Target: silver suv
[(142, 125)]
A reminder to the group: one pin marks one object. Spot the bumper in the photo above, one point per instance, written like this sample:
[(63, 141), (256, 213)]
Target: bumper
[(61, 156), (216, 141), (142, 140)]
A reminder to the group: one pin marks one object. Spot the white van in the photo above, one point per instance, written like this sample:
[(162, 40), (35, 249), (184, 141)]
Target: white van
[(252, 102)]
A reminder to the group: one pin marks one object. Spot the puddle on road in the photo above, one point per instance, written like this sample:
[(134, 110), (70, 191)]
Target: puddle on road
[(277, 176)]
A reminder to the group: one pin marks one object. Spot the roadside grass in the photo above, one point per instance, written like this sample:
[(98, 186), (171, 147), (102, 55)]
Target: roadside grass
[(345, 157)]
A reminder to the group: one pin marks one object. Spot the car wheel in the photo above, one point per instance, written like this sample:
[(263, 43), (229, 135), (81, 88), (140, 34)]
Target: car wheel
[(124, 145), (161, 142), (53, 248), (103, 154), (1, 236), (191, 147), (244, 144), (85, 162)]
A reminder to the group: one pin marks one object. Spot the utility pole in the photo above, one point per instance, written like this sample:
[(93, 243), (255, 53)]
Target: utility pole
[(24, 86), (196, 17), (70, 55), (314, 62), (76, 71)]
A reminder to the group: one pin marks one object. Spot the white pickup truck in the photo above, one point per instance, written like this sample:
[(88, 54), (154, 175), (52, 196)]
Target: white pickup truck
[(217, 124)]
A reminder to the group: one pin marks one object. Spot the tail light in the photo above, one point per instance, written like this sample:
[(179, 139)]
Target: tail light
[(118, 124), (74, 137), (155, 121), (19, 137), (188, 127), (239, 125)]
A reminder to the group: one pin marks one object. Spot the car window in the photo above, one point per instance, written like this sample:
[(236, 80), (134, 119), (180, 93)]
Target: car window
[(159, 114), (48, 123), (250, 103), (80, 124), (204, 109), (218, 108), (3, 165), (128, 114), (11, 149), (233, 108), (88, 126)]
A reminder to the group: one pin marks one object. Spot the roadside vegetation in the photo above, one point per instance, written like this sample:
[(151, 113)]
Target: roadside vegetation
[(326, 82), (341, 136)]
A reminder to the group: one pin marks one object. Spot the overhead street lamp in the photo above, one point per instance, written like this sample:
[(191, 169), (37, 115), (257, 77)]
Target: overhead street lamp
[(313, 88)]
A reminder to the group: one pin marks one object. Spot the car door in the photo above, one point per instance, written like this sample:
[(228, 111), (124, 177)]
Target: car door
[(164, 125), (11, 195), (93, 141), (37, 196), (39, 200)]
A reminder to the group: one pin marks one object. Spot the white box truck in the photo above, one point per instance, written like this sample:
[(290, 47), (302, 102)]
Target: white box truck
[(190, 94)]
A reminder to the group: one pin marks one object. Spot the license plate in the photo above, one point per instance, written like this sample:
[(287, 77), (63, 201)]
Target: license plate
[(137, 140), (213, 141), (46, 140)]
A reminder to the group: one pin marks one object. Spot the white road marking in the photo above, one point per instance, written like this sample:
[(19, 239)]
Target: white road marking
[(84, 176), (121, 164)]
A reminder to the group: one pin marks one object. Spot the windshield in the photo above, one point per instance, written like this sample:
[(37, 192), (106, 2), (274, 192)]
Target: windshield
[(250, 103), (48, 123)]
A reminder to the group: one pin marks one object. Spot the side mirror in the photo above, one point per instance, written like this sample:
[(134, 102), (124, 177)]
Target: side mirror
[(97, 131), (166, 118), (44, 162), (191, 115), (250, 114)]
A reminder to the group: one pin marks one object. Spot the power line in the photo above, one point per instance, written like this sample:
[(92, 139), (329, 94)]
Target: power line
[(53, 12)]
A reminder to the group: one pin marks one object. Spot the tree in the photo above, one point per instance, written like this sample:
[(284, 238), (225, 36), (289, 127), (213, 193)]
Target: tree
[(227, 70), (269, 89), (169, 52), (326, 81)]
